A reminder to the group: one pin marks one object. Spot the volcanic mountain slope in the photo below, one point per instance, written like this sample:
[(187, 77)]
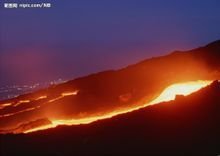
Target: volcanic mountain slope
[(188, 125), (108, 91)]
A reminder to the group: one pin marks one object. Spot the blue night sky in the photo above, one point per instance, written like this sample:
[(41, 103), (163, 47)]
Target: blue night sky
[(78, 37)]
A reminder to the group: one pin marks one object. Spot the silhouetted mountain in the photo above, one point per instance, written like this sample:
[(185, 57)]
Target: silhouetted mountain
[(187, 126), (111, 90)]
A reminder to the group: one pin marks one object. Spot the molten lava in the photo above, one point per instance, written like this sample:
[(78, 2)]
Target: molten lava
[(41, 97), (69, 93), (5, 105), (180, 89), (168, 94), (2, 106), (21, 102)]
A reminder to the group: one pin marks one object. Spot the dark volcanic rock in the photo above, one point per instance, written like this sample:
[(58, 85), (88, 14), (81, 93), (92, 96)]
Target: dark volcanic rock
[(189, 126)]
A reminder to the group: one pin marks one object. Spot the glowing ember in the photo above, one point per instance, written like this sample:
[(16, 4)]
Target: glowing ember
[(168, 94)]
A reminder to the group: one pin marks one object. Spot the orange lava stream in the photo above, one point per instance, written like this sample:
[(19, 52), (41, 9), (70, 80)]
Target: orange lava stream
[(18, 112), (168, 94), (63, 95), (69, 93), (41, 97), (5, 105), (180, 89), (2, 106), (21, 102)]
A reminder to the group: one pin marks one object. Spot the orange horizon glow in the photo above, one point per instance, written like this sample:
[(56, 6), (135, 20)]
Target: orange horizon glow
[(185, 88)]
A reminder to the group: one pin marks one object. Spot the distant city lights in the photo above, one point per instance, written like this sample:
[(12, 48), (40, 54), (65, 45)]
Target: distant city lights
[(12, 91)]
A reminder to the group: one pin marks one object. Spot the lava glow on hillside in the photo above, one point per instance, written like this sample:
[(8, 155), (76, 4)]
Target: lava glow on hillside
[(180, 89), (168, 94)]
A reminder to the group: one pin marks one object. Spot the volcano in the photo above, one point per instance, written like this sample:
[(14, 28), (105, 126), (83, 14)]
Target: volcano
[(185, 126), (110, 92), (120, 111)]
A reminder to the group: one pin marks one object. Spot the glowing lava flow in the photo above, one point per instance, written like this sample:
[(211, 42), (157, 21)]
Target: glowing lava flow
[(168, 94), (25, 110), (63, 95), (33, 108), (21, 102), (5, 105), (180, 89), (69, 93), (41, 97)]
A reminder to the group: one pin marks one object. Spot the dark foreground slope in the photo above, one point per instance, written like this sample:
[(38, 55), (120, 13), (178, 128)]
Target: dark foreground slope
[(110, 90), (189, 125)]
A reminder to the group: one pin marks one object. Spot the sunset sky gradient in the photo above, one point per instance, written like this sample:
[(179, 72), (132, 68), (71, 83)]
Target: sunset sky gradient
[(76, 38)]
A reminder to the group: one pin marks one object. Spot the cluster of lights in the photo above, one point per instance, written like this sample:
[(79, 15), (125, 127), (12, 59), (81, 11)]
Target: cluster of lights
[(8, 92)]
